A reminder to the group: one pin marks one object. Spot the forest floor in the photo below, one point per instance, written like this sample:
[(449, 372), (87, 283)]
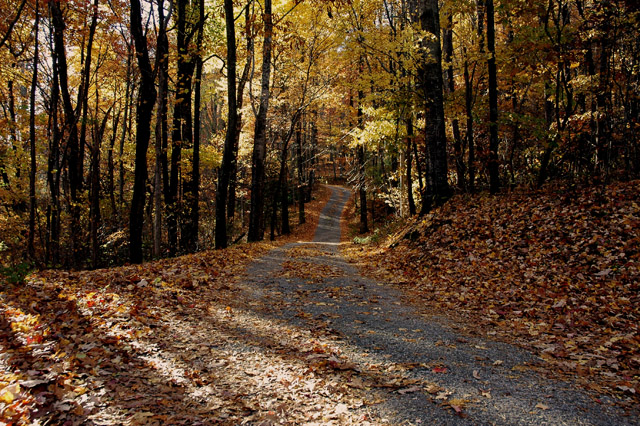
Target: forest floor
[(290, 333), (555, 271)]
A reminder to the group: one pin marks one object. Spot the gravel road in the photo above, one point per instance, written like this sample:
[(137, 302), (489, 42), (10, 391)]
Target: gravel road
[(448, 379)]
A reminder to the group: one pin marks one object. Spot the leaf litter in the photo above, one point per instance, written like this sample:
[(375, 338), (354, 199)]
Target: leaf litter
[(167, 342), (556, 271)]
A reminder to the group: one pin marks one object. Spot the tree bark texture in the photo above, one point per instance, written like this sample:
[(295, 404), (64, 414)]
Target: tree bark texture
[(256, 215), (362, 184), (70, 122), (194, 210), (410, 199), (32, 139), (144, 110), (233, 175), (232, 127), (450, 87), (494, 173), (162, 67), (430, 85), (301, 190)]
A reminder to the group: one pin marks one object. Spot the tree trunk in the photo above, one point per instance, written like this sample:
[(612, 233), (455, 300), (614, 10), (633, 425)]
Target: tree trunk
[(277, 195), (411, 201), (32, 139), (602, 122), (83, 92), (182, 137), (94, 193), (233, 175), (494, 171), (146, 100), (162, 67), (126, 126), (362, 188), (313, 159), (111, 184), (282, 190), (52, 249), (549, 118), (430, 84), (195, 199), (450, 86), (419, 167), (284, 194), (301, 213), (468, 97), (256, 215), (232, 128), (70, 127), (13, 126)]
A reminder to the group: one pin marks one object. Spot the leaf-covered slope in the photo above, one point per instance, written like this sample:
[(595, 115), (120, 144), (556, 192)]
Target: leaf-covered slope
[(556, 270)]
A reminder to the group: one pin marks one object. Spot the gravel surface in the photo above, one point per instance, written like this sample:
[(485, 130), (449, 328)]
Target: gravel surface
[(445, 378)]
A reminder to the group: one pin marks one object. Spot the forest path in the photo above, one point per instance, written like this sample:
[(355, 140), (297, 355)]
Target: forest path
[(405, 367), (260, 335)]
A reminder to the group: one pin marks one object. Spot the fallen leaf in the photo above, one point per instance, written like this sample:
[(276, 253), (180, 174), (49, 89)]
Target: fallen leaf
[(409, 390), (443, 395), (9, 393), (341, 409)]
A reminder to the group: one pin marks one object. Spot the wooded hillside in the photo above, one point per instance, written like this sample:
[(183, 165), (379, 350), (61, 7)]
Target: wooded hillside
[(556, 271)]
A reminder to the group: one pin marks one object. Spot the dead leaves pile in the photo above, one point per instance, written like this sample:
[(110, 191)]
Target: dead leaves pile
[(557, 271), (308, 271), (144, 345)]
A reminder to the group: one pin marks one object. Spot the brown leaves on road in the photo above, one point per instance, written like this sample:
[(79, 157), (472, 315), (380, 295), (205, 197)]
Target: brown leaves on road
[(167, 342), (308, 271), (557, 271)]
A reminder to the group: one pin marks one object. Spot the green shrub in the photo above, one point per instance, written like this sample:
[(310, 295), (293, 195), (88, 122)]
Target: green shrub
[(16, 274)]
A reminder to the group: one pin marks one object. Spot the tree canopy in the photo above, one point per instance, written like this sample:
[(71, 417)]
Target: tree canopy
[(117, 142)]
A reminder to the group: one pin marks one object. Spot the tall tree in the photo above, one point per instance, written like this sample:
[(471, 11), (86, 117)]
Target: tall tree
[(162, 69), (82, 106), (301, 185), (146, 100), (32, 136), (230, 137), (52, 243), (256, 215), (494, 175), (94, 187), (183, 154), (447, 43), (409, 171), (468, 101), (430, 86), (244, 78), (194, 201), (70, 132), (362, 184)]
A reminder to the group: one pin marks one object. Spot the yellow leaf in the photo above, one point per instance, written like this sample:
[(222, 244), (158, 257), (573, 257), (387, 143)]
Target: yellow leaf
[(9, 393), (7, 397)]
